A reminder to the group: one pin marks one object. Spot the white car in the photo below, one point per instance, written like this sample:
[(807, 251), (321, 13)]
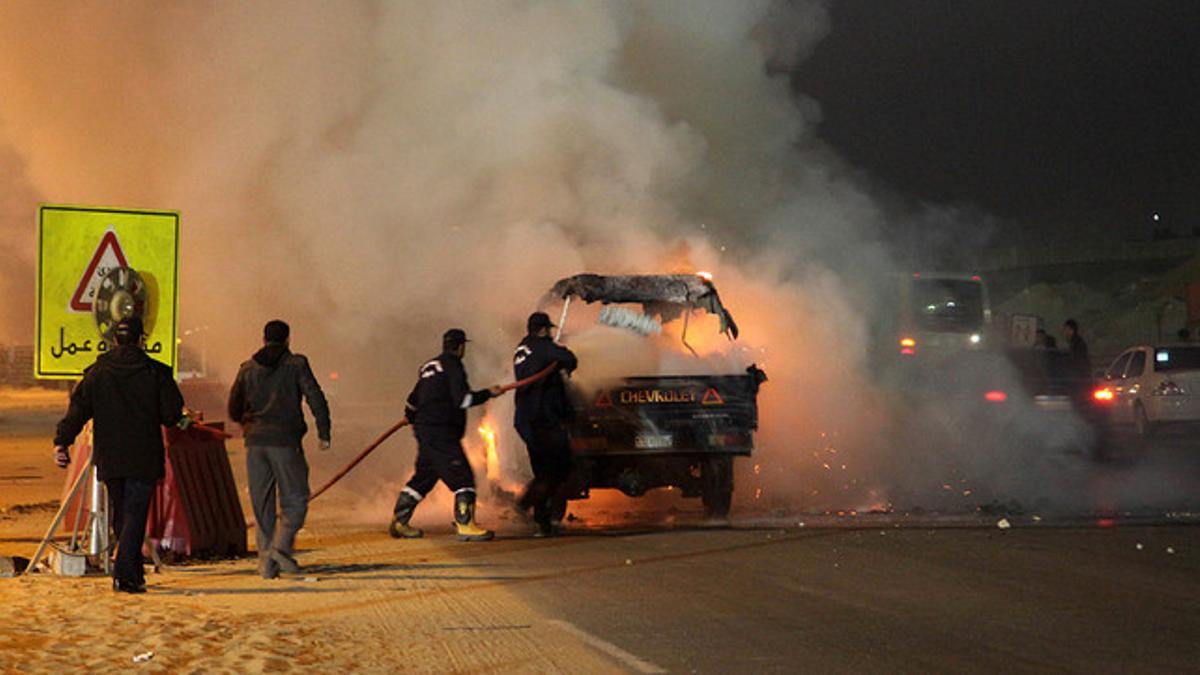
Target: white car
[(1155, 385)]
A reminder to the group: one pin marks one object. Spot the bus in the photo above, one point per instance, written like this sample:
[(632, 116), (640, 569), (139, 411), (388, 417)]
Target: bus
[(942, 314)]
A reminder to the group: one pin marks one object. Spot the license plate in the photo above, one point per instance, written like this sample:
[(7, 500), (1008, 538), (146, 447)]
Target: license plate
[(652, 440)]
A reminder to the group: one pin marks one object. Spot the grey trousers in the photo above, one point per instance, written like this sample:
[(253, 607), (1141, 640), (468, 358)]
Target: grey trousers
[(270, 468)]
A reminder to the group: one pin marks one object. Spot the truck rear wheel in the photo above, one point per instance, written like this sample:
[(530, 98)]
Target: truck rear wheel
[(716, 485)]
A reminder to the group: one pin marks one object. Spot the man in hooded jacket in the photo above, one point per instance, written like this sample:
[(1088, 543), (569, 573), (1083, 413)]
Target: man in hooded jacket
[(265, 400), (130, 397)]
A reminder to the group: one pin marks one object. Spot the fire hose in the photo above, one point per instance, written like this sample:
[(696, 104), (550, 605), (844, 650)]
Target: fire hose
[(540, 375), (211, 431)]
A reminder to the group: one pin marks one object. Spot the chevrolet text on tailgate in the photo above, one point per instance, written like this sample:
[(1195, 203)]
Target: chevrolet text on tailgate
[(645, 432)]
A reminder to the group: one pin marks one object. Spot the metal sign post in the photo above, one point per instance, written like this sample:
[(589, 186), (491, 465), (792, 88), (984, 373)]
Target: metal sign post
[(97, 266)]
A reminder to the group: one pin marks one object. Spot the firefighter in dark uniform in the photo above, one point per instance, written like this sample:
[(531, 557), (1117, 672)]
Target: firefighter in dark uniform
[(542, 413), (437, 409)]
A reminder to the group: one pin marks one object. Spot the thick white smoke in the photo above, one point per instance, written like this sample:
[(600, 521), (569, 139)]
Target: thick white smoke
[(376, 172)]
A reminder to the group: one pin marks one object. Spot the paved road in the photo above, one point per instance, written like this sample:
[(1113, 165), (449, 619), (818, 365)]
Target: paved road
[(839, 599), (913, 600)]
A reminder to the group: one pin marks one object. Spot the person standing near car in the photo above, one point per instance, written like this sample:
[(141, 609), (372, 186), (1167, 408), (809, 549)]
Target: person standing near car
[(1076, 347), (265, 400), (541, 416), (130, 397)]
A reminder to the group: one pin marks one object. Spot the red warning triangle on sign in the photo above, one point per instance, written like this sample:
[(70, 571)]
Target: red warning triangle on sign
[(711, 397), (604, 400), (107, 256)]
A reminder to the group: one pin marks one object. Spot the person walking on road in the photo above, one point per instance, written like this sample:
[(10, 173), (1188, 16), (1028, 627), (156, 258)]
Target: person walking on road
[(437, 409), (541, 416), (265, 400), (130, 397)]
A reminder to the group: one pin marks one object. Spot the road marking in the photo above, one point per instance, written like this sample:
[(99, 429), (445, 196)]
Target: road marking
[(637, 664)]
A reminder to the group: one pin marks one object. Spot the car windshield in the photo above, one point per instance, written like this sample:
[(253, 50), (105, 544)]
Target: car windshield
[(1176, 358), (947, 305)]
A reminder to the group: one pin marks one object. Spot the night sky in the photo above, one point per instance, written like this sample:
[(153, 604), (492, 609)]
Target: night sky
[(1052, 113)]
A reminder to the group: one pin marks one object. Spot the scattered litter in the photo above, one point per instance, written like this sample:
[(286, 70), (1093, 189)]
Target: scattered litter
[(1139, 546), (628, 561), (143, 657), (1037, 519), (1003, 524), (12, 567), (311, 580), (800, 524), (1170, 550)]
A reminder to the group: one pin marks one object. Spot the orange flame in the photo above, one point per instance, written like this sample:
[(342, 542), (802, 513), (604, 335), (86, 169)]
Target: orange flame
[(488, 432)]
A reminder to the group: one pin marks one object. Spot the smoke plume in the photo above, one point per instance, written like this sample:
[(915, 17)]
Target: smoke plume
[(377, 172)]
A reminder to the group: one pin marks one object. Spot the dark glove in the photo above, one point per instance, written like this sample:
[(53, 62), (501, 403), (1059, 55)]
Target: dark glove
[(61, 457)]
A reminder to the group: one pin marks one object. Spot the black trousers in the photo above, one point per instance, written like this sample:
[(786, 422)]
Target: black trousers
[(440, 456), (550, 457), (129, 501)]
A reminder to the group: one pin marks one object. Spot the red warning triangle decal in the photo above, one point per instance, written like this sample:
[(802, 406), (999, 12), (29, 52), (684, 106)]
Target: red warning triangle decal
[(604, 400), (108, 254), (711, 397)]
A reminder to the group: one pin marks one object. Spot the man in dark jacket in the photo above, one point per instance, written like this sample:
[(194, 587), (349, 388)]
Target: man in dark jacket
[(437, 409), (265, 400), (130, 396), (542, 412), (1078, 349)]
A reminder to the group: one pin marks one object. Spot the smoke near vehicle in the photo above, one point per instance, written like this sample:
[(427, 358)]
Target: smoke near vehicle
[(379, 172)]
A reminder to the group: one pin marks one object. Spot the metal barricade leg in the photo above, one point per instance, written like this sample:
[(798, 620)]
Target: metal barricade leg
[(58, 517)]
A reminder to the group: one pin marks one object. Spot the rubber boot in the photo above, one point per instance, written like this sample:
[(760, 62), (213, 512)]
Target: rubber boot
[(402, 513), (464, 519)]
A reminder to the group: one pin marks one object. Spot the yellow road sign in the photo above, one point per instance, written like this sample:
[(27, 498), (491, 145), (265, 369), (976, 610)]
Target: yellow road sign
[(77, 246)]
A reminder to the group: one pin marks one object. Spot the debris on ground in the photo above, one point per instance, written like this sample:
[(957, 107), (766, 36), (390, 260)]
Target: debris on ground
[(1003, 524), (11, 567), (143, 657)]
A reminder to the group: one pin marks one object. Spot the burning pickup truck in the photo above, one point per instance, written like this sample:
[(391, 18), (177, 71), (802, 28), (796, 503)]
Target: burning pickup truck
[(640, 432)]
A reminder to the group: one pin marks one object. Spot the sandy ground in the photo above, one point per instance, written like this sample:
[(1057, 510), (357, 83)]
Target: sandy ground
[(220, 617)]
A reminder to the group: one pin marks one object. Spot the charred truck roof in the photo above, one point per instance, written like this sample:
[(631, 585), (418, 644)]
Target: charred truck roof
[(667, 296)]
